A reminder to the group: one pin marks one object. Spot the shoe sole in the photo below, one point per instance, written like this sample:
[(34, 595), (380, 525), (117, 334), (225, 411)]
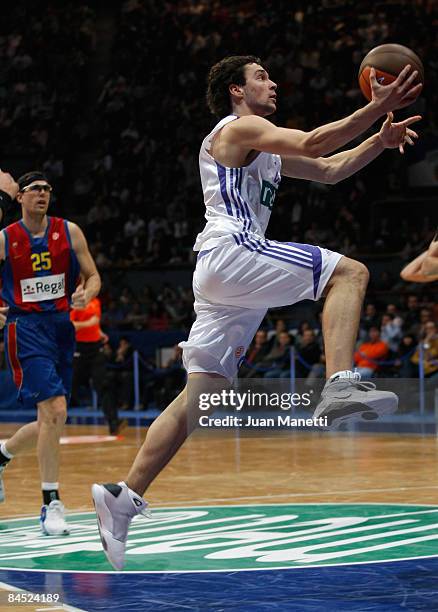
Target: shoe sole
[(49, 535), (354, 413), (102, 514), (46, 533)]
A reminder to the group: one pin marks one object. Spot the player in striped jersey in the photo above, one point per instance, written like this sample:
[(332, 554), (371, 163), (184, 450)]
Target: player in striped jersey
[(239, 273), (43, 258)]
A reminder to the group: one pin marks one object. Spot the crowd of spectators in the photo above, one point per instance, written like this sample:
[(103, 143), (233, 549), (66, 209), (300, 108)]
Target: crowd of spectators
[(132, 138), (153, 117), (132, 132), (388, 344), (168, 308), (45, 49)]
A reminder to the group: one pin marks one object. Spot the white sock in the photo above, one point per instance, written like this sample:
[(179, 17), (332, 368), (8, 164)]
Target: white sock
[(5, 451), (49, 486), (344, 375)]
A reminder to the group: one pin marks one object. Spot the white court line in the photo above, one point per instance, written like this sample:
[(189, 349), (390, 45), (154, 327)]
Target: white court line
[(211, 571), (182, 503), (14, 589), (280, 495), (190, 505)]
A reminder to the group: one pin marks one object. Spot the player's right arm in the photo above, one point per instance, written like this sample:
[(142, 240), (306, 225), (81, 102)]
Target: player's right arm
[(251, 132), (338, 167)]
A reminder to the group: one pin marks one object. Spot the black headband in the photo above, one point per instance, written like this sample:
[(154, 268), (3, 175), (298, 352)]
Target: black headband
[(29, 178)]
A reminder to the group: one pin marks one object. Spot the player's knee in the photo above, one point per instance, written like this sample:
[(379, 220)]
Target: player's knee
[(360, 274), (53, 412), (353, 271)]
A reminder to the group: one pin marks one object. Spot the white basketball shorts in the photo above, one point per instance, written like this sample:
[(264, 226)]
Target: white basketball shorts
[(234, 285)]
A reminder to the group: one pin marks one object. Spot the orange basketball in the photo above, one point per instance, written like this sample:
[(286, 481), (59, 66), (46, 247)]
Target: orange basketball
[(388, 61)]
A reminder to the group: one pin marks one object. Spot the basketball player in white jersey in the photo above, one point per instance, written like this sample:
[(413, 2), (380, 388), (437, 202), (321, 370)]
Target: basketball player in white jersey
[(239, 274)]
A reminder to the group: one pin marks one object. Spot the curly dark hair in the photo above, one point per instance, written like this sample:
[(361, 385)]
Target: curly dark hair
[(228, 71)]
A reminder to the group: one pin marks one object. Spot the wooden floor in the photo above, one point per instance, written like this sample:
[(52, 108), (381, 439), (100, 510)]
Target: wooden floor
[(224, 469)]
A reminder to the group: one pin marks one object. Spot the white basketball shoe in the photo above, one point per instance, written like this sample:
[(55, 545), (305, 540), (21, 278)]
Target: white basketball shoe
[(116, 505), (346, 398), (52, 519)]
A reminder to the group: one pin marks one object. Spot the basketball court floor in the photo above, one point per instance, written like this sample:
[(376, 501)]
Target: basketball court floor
[(263, 521)]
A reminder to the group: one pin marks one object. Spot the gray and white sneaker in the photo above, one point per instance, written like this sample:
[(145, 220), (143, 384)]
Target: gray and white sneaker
[(345, 398), (116, 505), (2, 486)]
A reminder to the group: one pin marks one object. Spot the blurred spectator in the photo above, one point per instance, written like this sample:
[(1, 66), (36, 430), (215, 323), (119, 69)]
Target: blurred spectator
[(133, 226), (158, 318), (302, 328), (169, 381), (277, 361), (390, 331), (430, 351), (309, 351), (370, 317), (137, 316), (256, 353), (403, 357), (392, 309), (118, 384), (368, 354), (412, 315)]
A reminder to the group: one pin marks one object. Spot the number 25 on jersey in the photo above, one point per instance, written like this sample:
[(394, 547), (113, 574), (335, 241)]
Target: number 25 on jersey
[(41, 261)]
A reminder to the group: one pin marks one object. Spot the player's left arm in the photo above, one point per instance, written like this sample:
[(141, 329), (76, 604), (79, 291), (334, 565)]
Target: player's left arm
[(429, 266), (338, 167), (90, 287), (424, 268)]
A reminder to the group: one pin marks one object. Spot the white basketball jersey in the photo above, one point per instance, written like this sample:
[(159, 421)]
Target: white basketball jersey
[(238, 201)]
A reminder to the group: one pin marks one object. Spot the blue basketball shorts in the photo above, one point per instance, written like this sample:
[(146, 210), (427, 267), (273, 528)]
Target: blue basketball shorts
[(39, 350)]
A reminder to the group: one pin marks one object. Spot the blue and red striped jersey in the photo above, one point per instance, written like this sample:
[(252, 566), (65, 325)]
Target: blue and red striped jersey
[(39, 274)]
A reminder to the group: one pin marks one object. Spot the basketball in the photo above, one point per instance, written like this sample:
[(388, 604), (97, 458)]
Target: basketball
[(388, 61)]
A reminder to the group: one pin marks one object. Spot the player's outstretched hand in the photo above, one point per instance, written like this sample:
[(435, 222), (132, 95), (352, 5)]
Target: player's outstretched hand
[(399, 93), (8, 185), (3, 315), (79, 298), (396, 135)]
